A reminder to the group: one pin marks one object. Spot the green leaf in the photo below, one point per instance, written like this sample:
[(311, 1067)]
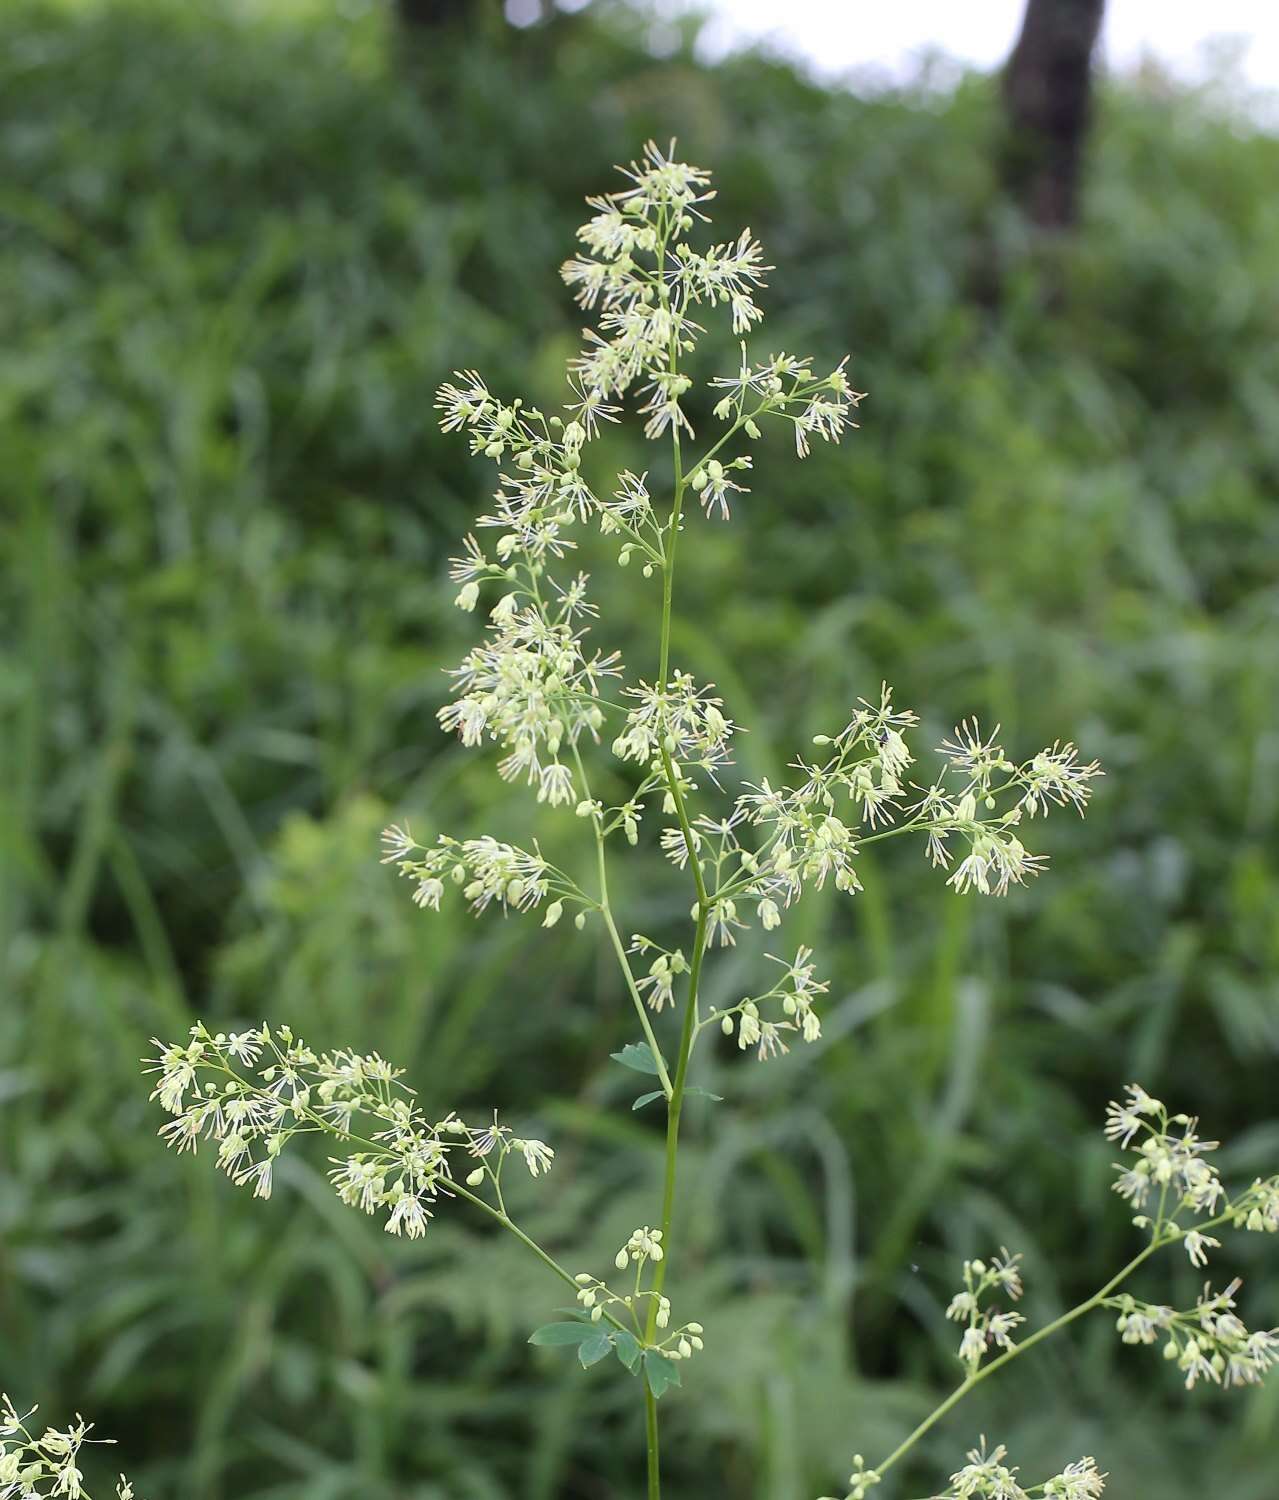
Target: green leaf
[(706, 1094), (591, 1351), (660, 1372), (647, 1099), (636, 1055), (626, 1347), (562, 1333)]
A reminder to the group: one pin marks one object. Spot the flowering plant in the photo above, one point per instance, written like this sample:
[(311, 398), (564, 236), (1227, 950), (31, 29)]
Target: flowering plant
[(553, 704), (33, 1467)]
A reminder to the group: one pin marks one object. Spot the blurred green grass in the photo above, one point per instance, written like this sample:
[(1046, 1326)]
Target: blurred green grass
[(238, 255)]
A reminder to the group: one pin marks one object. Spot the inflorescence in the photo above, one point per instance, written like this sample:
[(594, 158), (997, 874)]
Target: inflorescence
[(538, 691), (251, 1092), (34, 1467)]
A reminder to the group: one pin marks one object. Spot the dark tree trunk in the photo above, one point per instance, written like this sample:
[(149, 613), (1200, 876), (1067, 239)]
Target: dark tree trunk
[(1047, 96)]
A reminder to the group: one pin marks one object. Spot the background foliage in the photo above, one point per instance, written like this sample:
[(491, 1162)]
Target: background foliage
[(238, 256)]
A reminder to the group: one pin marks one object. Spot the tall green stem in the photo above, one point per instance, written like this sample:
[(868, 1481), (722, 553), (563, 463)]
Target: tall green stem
[(675, 1102), (668, 570), (652, 1446), (675, 1098)]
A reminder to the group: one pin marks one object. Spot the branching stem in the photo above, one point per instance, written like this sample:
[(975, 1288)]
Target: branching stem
[(1158, 1241)]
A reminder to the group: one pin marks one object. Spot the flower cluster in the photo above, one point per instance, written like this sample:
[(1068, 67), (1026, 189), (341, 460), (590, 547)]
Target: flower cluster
[(251, 1092), (713, 484), (816, 406), (807, 836), (644, 1244), (644, 291), (645, 278), (996, 858), (34, 1467), (985, 1325), (804, 839), (531, 688), (488, 872), (546, 491), (685, 721), (1208, 1342), (629, 512), (793, 996), (494, 1143), (986, 1477), (715, 844), (642, 1248), (861, 1481), (1169, 1166), (1169, 1172), (658, 985), (1257, 1209)]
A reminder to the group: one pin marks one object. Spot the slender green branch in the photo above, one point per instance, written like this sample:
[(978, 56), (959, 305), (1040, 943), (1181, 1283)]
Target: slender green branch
[(549, 1261), (958, 1394), (323, 1126), (685, 828), (728, 434), (615, 937)]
